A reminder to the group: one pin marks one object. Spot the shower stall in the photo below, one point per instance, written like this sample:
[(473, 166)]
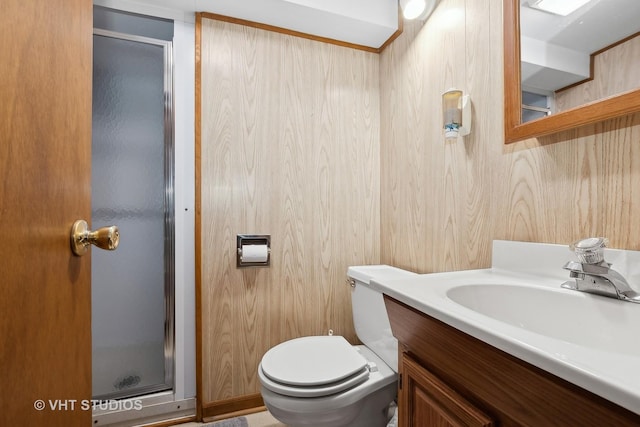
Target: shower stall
[(133, 187)]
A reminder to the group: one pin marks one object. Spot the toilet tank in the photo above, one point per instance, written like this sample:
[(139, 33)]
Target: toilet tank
[(369, 313)]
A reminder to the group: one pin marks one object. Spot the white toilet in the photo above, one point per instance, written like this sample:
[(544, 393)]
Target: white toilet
[(325, 381)]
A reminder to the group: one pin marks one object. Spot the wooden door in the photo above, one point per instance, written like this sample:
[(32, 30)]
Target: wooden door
[(45, 185)]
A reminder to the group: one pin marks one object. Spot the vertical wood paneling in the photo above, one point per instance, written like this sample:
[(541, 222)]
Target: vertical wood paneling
[(432, 191), (483, 38), (614, 72), (289, 147), (620, 183), (339, 155), (451, 181), (443, 205)]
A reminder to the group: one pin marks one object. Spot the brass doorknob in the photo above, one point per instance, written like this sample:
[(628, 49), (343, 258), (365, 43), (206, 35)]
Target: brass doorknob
[(104, 238)]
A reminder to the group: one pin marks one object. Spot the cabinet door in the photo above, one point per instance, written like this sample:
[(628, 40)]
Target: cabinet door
[(425, 401)]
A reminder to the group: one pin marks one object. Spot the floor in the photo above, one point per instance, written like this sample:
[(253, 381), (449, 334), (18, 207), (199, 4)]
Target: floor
[(259, 419)]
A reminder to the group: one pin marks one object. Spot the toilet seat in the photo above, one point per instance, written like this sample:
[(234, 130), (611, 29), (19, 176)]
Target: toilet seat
[(312, 367)]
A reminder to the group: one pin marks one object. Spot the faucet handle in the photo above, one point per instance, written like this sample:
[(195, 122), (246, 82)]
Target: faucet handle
[(590, 250)]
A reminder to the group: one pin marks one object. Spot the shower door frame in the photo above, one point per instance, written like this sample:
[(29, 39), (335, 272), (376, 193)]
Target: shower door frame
[(169, 221)]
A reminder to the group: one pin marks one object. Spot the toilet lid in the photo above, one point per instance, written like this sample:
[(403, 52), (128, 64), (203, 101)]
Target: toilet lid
[(312, 391), (312, 361)]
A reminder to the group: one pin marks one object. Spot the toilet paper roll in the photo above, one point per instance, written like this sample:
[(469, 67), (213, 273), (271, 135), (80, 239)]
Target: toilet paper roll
[(255, 253)]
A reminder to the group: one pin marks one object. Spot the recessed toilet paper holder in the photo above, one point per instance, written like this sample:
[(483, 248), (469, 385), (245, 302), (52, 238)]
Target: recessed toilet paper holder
[(253, 250)]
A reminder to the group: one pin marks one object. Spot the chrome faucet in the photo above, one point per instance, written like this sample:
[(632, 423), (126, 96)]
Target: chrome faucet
[(594, 275)]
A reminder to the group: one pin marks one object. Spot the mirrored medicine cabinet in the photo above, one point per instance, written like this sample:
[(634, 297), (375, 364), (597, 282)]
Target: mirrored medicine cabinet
[(551, 65)]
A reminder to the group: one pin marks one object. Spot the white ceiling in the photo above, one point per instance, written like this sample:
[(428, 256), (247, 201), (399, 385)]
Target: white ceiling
[(362, 22), (556, 49)]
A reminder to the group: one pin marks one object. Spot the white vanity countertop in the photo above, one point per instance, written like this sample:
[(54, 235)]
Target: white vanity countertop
[(580, 350)]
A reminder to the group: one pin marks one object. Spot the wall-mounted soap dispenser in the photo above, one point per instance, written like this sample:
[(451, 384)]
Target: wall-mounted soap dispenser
[(456, 110)]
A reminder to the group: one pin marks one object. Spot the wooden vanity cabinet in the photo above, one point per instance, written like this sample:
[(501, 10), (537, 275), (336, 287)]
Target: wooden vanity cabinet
[(428, 402), (449, 378)]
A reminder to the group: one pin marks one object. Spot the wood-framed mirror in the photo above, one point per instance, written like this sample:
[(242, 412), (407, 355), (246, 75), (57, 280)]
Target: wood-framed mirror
[(611, 106)]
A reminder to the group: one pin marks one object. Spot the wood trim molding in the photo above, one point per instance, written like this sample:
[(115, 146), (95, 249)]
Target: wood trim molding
[(198, 213), (233, 407), (300, 34), (512, 77), (396, 34)]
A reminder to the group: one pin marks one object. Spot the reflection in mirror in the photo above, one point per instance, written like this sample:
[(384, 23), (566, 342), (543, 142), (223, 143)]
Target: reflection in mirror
[(569, 103), (574, 56)]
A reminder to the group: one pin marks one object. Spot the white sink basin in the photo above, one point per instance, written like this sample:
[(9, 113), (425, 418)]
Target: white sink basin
[(578, 318), (519, 307)]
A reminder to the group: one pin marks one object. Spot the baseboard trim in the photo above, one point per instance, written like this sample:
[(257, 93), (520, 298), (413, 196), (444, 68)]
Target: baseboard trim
[(234, 407)]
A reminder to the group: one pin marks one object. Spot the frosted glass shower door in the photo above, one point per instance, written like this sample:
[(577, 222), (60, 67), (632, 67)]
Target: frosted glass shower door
[(132, 183)]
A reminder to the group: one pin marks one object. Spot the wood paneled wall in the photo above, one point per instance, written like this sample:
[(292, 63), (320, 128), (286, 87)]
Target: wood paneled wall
[(339, 155), (615, 71), (436, 197), (442, 204), (288, 146)]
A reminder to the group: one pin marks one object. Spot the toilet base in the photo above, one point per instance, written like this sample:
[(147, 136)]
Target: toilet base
[(373, 411)]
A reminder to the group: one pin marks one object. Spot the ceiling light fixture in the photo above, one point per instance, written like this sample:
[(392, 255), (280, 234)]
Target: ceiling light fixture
[(417, 9), (558, 7)]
